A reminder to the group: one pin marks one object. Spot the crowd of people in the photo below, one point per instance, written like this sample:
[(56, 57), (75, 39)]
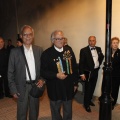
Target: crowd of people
[(57, 68)]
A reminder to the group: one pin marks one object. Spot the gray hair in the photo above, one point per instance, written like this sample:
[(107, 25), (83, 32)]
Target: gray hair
[(26, 26), (54, 32)]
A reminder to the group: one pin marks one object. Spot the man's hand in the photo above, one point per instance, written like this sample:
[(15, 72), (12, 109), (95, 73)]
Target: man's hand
[(83, 77), (61, 75), (75, 88), (40, 83), (16, 95)]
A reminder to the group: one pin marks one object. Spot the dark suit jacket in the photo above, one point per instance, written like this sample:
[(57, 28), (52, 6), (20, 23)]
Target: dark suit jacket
[(86, 62), (3, 61), (17, 70)]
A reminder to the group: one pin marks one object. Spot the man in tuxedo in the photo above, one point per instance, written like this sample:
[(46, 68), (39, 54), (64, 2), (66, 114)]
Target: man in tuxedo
[(19, 81), (91, 58)]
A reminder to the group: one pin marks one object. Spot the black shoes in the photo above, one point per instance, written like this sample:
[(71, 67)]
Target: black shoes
[(92, 104), (87, 108)]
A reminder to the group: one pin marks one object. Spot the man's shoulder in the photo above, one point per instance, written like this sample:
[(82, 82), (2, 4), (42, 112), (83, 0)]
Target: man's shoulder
[(98, 48), (48, 52), (3, 50), (15, 49), (85, 48), (36, 46), (50, 49)]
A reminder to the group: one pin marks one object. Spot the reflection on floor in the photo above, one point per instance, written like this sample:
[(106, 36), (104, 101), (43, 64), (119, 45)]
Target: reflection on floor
[(8, 109)]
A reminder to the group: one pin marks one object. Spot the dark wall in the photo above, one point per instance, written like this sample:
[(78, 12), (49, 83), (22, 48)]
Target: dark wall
[(7, 12), (28, 12)]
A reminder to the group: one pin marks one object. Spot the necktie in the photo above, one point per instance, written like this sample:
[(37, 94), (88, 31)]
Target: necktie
[(93, 48)]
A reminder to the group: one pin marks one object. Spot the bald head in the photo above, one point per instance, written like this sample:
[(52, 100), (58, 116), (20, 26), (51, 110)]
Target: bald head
[(92, 41)]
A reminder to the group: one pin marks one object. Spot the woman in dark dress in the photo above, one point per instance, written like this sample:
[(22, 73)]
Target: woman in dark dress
[(115, 58)]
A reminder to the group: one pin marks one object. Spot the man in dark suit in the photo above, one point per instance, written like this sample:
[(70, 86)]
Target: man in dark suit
[(4, 89), (91, 58), (18, 78)]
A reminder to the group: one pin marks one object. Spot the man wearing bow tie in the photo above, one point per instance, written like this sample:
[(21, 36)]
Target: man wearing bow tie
[(90, 60)]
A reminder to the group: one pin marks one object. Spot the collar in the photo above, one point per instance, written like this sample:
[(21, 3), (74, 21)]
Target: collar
[(91, 47), (25, 49), (59, 50)]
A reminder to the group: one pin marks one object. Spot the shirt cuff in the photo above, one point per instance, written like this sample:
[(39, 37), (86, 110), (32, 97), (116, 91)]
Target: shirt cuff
[(82, 75)]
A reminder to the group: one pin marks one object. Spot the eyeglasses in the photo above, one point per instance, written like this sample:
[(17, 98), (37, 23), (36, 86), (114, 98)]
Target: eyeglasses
[(58, 38), (27, 35)]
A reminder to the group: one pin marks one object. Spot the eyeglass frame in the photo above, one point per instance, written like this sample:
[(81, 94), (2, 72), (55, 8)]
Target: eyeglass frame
[(58, 38), (27, 35)]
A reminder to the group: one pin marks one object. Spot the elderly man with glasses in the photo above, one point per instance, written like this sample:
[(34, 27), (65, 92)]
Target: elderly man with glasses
[(18, 76), (59, 68)]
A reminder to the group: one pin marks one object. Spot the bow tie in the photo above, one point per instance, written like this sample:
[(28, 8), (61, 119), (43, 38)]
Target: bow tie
[(93, 48)]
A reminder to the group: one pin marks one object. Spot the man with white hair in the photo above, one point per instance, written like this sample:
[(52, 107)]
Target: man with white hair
[(19, 81), (59, 68)]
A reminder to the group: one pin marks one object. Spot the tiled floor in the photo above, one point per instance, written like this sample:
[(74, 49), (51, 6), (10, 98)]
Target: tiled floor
[(8, 109)]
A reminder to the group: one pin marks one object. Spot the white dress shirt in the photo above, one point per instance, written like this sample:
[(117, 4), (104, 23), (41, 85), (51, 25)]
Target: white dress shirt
[(59, 50), (95, 57), (31, 63)]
